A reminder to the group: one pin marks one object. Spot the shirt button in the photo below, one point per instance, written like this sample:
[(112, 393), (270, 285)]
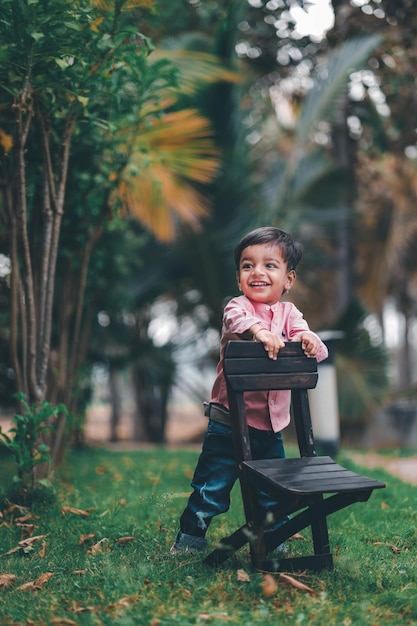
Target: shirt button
[(267, 308)]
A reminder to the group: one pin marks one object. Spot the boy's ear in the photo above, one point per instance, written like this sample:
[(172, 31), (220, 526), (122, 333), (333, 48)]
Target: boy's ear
[(291, 278), (238, 280)]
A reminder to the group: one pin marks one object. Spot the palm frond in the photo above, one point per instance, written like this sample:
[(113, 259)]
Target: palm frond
[(331, 79), (312, 167), (109, 5), (361, 368), (170, 158), (160, 201), (196, 68)]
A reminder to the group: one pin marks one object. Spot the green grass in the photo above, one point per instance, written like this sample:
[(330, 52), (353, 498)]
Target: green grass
[(141, 494)]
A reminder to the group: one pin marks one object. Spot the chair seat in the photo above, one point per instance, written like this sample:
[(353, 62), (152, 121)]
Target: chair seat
[(309, 475)]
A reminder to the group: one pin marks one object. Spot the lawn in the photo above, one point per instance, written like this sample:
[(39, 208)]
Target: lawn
[(98, 553)]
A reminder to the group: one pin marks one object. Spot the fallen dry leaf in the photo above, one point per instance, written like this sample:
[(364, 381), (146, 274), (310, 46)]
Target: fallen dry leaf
[(394, 549), (42, 579), (29, 541), (80, 572), (179, 494), (243, 576), (123, 540), (269, 585), (186, 593), (6, 580), (384, 505), (284, 578), (163, 530), (297, 537), (77, 607), (25, 543), (74, 510), (84, 538), (122, 603), (27, 529), (25, 518), (38, 583), (42, 551), (97, 547), (12, 507)]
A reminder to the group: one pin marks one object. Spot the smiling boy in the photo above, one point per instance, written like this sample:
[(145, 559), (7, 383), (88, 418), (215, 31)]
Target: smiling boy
[(266, 259)]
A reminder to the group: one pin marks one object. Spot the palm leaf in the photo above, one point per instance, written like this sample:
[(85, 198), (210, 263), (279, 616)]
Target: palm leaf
[(361, 367), (319, 103), (331, 79), (169, 159), (196, 68), (126, 5)]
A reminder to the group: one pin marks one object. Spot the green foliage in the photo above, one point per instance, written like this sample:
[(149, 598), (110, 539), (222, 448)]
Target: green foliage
[(300, 171), (27, 445), (362, 368), (100, 555)]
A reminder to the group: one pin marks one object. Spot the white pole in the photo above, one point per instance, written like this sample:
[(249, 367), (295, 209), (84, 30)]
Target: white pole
[(323, 400)]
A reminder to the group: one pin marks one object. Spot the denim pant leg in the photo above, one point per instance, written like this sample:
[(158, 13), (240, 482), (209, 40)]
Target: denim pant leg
[(267, 445), (214, 477)]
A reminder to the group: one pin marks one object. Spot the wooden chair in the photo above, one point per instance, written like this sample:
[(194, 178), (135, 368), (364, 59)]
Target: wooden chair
[(298, 484)]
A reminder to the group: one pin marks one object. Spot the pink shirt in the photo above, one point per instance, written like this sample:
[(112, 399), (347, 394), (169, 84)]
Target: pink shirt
[(264, 410)]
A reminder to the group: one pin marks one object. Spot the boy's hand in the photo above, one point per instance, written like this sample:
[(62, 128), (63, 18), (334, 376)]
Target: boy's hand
[(310, 343), (272, 342)]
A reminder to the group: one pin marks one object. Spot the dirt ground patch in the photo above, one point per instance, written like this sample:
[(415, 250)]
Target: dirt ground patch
[(404, 468)]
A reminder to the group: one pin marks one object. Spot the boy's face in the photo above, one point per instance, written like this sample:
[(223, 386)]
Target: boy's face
[(263, 275)]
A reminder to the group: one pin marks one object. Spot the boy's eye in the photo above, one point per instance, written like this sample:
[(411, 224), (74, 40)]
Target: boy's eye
[(246, 266), (270, 265)]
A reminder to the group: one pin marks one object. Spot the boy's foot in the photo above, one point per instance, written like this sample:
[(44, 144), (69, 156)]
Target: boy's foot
[(282, 548), (188, 543)]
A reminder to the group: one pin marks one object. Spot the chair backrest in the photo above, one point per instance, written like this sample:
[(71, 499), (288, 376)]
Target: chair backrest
[(247, 367)]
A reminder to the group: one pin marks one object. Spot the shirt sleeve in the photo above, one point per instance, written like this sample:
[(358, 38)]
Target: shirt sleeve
[(296, 325), (238, 316)]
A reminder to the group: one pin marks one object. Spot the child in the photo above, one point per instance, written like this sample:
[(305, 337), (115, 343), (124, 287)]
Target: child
[(265, 259)]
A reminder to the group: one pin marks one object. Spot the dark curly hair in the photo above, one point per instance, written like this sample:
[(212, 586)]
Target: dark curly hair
[(291, 250)]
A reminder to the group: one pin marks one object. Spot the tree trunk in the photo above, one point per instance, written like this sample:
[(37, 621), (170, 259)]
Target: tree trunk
[(116, 404)]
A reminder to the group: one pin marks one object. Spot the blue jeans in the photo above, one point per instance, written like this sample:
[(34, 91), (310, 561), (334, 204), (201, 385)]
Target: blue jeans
[(216, 473)]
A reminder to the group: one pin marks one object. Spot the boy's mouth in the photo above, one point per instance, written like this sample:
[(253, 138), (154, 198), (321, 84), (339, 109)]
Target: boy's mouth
[(259, 283)]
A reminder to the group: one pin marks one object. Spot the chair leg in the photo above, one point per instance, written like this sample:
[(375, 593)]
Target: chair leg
[(320, 533), (315, 563), (315, 516), (258, 550), (227, 546)]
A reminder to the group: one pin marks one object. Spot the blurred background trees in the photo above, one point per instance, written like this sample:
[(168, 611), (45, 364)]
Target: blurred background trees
[(152, 136)]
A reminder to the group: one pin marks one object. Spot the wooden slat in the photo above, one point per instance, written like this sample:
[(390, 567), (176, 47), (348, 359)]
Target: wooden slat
[(247, 349), (311, 476), (265, 382), (263, 365)]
